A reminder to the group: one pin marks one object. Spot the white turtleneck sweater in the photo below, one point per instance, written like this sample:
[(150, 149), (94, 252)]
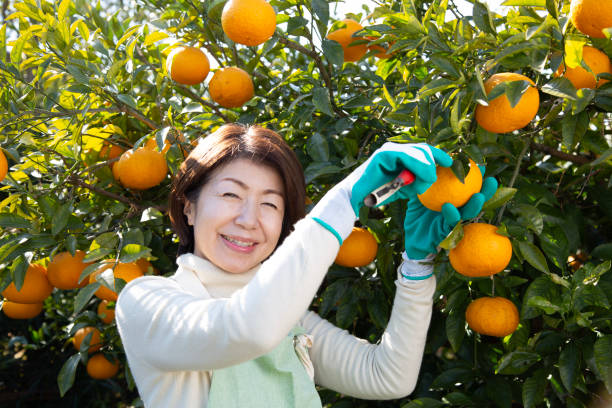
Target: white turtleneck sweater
[(176, 330)]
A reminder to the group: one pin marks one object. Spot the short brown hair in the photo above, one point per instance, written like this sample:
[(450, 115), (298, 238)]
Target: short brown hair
[(230, 142)]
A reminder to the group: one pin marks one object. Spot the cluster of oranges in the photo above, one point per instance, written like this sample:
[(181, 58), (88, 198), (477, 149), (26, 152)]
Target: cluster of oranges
[(590, 17), (230, 87), (481, 252), (64, 272)]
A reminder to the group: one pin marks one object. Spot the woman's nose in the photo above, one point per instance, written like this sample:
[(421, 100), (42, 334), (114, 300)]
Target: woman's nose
[(247, 218)]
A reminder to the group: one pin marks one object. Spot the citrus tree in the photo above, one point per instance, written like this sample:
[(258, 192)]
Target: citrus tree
[(101, 103)]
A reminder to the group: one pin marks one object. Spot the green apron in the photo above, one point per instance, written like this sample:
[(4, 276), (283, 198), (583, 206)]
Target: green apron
[(278, 379)]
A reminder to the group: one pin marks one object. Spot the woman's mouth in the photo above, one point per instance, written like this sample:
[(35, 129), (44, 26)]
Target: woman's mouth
[(238, 244)]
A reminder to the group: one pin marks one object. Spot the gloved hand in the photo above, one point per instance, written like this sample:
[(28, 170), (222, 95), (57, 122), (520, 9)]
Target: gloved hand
[(424, 229), (339, 208)]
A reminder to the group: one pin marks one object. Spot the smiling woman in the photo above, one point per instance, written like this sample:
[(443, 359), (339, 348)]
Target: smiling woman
[(231, 328)]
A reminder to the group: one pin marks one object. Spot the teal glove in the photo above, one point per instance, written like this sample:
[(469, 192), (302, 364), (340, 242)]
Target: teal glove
[(424, 229), (389, 160)]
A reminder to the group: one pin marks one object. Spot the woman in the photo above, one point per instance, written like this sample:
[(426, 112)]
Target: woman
[(231, 328)]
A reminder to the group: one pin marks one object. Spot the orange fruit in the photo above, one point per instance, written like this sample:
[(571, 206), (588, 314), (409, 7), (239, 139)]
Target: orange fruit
[(16, 310), (110, 151), (596, 60), (492, 316), (248, 22), (144, 265), (231, 87), (141, 168), (95, 343), (65, 270), (449, 189), (35, 288), (3, 165), (344, 36), (100, 368), (106, 314), (125, 271), (187, 65), (590, 17), (499, 116), (358, 249), (481, 251)]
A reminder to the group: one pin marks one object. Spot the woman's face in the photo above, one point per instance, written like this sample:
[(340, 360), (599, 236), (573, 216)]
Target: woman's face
[(238, 217)]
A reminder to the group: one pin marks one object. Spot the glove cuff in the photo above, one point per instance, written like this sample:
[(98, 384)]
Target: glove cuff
[(334, 213), (415, 269)]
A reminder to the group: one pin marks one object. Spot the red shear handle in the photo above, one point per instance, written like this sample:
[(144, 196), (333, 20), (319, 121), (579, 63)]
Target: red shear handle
[(385, 191)]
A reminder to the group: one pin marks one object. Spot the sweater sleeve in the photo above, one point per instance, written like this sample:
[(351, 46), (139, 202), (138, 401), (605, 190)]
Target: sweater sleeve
[(172, 330), (387, 370)]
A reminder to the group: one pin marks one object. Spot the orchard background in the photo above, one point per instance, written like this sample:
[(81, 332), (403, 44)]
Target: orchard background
[(76, 74)]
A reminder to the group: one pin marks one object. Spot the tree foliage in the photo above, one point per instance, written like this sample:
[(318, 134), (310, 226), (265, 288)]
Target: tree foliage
[(76, 75)]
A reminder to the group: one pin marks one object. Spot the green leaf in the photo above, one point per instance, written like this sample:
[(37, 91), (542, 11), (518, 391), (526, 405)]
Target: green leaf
[(482, 17), (530, 217), (321, 101), (604, 156), (569, 365), (459, 399), (317, 147), (127, 99), (154, 37), (455, 329), (543, 304), (62, 9), (602, 353), (517, 362), (551, 6), (18, 269), (453, 238), (133, 252), (603, 251), (573, 51), (71, 244), (84, 295), (534, 388), (378, 309), (560, 87), (347, 312), (501, 197), (65, 378), (333, 52), (515, 90), (127, 35), (321, 11), (448, 378), (8, 220), (60, 218), (96, 254), (533, 255), (423, 403)]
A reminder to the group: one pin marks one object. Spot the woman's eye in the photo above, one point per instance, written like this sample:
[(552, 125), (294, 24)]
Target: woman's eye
[(271, 205), (230, 195)]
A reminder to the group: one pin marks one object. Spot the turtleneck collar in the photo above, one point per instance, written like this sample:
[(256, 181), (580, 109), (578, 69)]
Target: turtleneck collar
[(217, 282)]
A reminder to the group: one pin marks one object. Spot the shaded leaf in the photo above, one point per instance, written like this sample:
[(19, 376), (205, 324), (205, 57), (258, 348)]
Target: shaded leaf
[(65, 378)]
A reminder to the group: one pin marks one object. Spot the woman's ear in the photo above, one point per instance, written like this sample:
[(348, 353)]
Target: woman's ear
[(189, 211)]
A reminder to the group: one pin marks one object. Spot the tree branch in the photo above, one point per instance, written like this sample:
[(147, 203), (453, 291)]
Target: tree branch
[(78, 182), (202, 101), (574, 158)]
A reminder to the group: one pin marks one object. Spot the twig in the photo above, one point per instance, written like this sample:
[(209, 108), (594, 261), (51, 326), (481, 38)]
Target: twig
[(574, 158)]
